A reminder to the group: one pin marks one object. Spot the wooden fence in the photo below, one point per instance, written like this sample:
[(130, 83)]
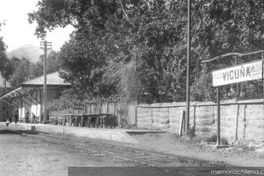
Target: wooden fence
[(125, 112)]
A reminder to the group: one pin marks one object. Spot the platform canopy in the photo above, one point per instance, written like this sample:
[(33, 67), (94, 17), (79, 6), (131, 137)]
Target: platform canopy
[(30, 91)]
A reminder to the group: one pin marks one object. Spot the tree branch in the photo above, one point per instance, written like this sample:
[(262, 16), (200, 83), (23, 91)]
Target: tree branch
[(123, 9)]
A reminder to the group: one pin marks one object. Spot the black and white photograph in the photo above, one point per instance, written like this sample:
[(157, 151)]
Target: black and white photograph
[(131, 87)]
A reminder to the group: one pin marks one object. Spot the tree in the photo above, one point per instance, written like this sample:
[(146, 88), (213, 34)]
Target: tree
[(147, 39), (52, 62), (223, 27), (3, 58), (21, 73), (5, 65), (80, 14), (36, 69), (83, 66)]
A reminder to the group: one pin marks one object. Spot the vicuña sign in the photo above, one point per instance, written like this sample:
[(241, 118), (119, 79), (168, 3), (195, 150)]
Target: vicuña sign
[(240, 73)]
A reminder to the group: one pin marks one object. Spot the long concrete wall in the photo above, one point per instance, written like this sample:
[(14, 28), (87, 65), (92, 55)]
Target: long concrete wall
[(118, 135), (240, 120)]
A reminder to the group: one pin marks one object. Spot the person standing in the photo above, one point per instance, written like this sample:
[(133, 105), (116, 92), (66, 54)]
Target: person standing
[(15, 114), (27, 116), (5, 115), (33, 117)]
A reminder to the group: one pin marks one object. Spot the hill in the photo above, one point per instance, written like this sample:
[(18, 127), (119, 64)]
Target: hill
[(28, 51)]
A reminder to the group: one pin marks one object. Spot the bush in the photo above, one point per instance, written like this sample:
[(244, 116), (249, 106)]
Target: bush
[(213, 138)]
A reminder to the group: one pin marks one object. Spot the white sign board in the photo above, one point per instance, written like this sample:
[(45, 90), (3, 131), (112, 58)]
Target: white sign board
[(240, 73)]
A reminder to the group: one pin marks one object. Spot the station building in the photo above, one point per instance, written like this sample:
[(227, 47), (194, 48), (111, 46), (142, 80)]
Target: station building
[(30, 93)]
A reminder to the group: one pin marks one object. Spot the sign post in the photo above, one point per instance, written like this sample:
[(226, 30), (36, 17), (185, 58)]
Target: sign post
[(245, 72), (241, 73), (218, 116)]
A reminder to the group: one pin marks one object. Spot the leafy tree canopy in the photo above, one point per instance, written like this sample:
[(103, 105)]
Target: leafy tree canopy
[(5, 65), (21, 72), (147, 40)]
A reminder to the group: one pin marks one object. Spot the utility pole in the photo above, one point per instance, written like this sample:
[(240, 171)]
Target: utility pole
[(45, 46), (188, 68), (262, 58)]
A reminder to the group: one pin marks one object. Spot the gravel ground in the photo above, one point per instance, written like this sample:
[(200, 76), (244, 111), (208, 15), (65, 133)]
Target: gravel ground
[(170, 143), (24, 156)]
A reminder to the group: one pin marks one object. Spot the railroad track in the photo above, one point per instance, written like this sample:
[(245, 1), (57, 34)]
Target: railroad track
[(126, 153)]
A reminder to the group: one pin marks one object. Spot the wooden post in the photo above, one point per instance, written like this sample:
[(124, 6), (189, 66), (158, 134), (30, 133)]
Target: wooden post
[(71, 120), (182, 125), (237, 85), (81, 121), (107, 108), (90, 108), (114, 108), (237, 118), (100, 107), (41, 106), (218, 116), (136, 115), (194, 120), (262, 58)]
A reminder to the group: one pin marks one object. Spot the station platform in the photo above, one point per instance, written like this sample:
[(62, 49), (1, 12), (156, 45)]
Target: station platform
[(119, 135)]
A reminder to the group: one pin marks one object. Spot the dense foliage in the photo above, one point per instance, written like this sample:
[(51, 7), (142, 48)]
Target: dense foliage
[(137, 48), (5, 66), (22, 69)]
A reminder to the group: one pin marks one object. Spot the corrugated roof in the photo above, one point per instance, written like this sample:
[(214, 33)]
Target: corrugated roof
[(52, 79)]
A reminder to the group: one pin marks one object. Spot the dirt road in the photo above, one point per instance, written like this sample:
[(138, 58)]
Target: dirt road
[(41, 154), (26, 156)]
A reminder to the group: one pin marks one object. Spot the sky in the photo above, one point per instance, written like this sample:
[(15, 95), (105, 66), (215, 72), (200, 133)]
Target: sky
[(18, 32)]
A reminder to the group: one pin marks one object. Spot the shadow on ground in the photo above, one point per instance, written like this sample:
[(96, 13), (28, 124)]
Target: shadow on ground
[(18, 132)]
